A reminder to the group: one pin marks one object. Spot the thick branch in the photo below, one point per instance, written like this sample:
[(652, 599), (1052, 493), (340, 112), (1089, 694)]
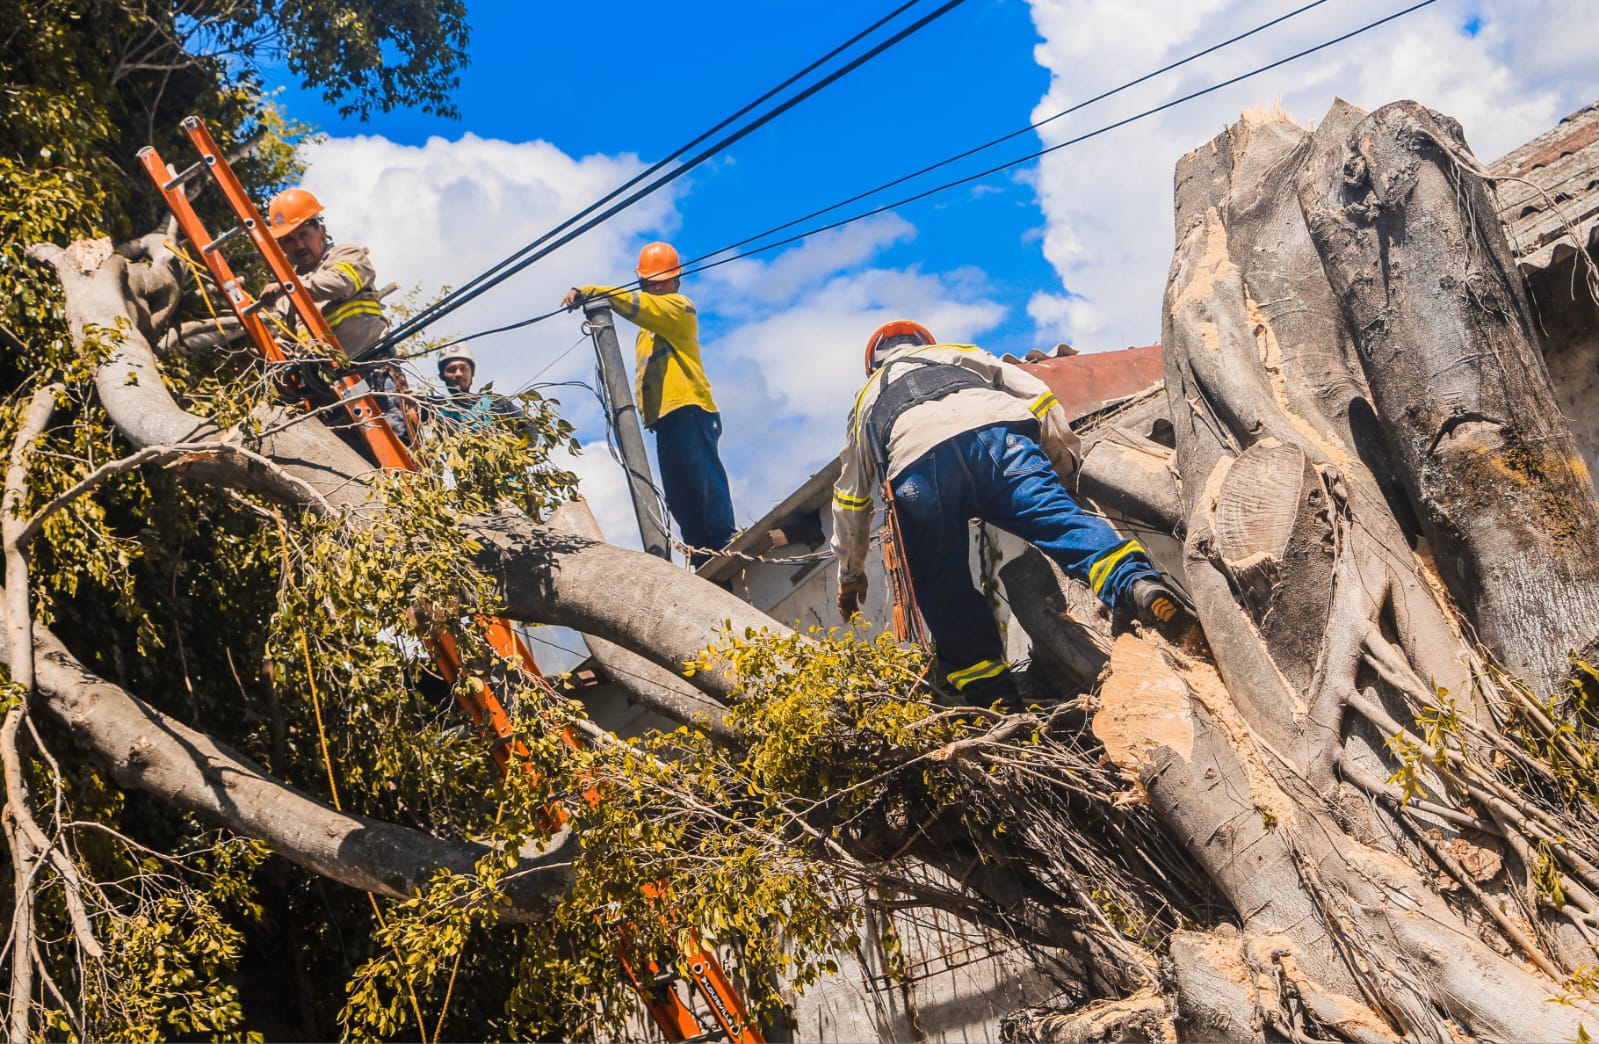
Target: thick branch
[(662, 691), (635, 600), (144, 749), (22, 832), (103, 303), (1289, 872), (294, 490), (1407, 232)]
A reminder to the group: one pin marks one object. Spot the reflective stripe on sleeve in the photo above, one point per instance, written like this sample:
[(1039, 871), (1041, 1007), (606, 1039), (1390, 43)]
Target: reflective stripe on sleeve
[(977, 672), (1099, 572), (1042, 404), (353, 308), (349, 270), (849, 503)]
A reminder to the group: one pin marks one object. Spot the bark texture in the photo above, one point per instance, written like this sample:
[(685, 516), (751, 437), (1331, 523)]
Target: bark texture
[(1414, 250)]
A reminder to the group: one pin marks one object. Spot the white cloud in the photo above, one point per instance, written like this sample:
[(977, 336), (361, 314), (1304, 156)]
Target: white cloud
[(603, 484), (1107, 202), (750, 285)]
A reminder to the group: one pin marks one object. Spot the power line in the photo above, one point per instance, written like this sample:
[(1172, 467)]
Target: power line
[(690, 266), (529, 254), (888, 184), (1130, 84), (661, 163), (688, 270)]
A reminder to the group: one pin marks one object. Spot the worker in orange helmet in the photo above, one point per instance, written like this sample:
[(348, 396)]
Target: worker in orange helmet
[(956, 434), (340, 279), (674, 397)]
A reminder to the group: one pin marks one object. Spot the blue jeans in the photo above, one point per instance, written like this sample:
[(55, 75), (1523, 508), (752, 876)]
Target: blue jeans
[(693, 479), (998, 474)]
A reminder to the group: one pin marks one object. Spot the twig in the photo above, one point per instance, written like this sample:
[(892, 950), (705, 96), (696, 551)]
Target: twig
[(25, 850), (178, 453), (1454, 869)]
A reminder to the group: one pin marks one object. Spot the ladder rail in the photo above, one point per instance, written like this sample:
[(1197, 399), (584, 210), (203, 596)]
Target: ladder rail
[(670, 1011)]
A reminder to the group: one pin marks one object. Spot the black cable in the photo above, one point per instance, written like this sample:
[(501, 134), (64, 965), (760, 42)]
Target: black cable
[(1130, 84), (908, 177), (528, 255), (689, 269), (425, 313)]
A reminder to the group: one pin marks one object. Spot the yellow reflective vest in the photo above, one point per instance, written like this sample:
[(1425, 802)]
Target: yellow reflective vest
[(669, 373), (341, 285)]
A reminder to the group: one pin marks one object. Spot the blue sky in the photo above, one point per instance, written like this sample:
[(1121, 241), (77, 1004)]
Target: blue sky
[(651, 78), (1074, 249)]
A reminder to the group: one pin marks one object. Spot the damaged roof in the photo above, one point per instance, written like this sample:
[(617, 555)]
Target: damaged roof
[(1086, 383), (1550, 190)]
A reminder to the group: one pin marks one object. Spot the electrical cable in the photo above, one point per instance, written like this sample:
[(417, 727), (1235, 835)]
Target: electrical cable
[(423, 317), (403, 331), (1212, 49), (689, 269), (528, 255), (694, 265)]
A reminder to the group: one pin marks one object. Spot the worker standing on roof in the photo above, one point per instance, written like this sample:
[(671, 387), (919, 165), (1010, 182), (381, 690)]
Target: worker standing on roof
[(465, 408), (674, 397), (339, 277), (957, 435)]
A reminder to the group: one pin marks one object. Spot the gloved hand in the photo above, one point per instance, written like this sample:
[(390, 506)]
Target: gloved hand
[(850, 595)]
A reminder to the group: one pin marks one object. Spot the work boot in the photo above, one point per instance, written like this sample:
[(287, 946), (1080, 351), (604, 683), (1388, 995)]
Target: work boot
[(984, 692), (1157, 604)]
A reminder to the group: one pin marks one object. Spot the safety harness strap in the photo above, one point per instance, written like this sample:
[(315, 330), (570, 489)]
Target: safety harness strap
[(927, 381)]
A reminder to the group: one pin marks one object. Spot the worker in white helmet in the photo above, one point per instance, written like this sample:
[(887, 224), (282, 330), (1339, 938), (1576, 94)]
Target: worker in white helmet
[(461, 406)]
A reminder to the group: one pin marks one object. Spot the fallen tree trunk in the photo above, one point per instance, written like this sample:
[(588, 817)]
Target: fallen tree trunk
[(1295, 793), (1408, 232)]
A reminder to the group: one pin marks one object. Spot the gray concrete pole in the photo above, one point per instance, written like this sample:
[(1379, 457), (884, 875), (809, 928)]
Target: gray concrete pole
[(624, 421)]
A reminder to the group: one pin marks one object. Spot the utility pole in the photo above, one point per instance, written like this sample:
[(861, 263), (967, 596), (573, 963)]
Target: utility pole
[(624, 421)]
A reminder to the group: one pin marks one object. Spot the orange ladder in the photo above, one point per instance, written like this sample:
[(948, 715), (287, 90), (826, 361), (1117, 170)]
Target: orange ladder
[(653, 976)]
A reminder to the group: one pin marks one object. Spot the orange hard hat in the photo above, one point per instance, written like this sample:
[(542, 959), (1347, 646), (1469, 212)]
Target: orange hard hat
[(290, 209), (658, 263), (893, 333)]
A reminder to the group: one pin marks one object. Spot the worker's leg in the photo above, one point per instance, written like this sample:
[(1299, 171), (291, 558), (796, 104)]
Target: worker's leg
[(693, 479), (1021, 494), (381, 379), (933, 501)]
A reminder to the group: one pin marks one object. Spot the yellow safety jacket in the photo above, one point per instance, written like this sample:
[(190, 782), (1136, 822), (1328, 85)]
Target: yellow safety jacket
[(669, 373), (341, 285)]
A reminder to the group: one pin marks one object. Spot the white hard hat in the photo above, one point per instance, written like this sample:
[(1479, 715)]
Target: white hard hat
[(449, 355)]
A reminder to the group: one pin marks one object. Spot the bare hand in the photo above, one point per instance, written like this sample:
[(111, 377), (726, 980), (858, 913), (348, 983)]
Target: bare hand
[(573, 298), (850, 595)]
